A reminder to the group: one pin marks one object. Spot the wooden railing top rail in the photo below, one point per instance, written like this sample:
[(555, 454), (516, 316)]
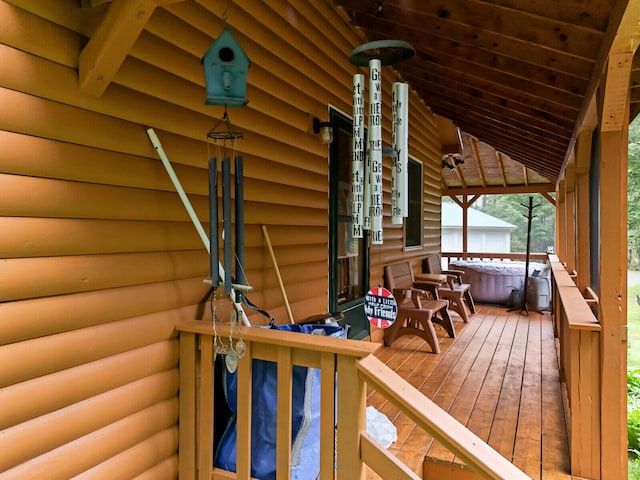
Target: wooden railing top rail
[(471, 449), (339, 346), (578, 313), (494, 256)]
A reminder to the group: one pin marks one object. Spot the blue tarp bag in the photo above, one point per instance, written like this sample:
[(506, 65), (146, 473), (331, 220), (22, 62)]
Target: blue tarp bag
[(305, 434)]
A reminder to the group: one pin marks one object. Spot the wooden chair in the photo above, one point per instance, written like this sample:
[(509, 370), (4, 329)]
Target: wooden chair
[(418, 307), (453, 289)]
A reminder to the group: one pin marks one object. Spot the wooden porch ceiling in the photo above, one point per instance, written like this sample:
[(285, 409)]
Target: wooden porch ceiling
[(515, 76)]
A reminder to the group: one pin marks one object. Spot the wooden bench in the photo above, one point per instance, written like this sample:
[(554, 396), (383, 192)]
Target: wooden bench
[(418, 307)]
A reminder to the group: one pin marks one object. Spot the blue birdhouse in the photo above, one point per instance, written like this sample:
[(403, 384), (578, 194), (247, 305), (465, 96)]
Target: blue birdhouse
[(225, 72)]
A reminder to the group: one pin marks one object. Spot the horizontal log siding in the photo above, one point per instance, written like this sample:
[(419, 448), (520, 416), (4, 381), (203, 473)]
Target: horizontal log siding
[(98, 258)]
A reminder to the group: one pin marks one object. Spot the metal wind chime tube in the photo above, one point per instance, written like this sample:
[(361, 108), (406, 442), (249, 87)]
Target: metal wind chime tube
[(375, 149), (358, 159), (226, 222), (399, 140), (213, 223), (366, 201), (239, 203)]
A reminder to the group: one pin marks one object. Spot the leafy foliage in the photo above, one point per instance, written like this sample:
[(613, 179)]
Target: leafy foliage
[(633, 410), (633, 199), (514, 209)]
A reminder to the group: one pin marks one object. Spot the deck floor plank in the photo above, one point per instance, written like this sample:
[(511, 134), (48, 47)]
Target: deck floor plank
[(466, 398), (528, 441), (500, 378), (446, 376)]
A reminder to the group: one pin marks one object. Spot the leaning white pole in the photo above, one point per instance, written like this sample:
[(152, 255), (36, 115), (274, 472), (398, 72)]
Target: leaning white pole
[(192, 214), (375, 148)]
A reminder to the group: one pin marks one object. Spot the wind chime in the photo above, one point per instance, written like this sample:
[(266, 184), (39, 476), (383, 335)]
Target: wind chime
[(225, 69), (366, 166)]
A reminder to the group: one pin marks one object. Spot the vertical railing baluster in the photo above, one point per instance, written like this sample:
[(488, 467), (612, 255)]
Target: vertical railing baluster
[(327, 415), (187, 434), (351, 419), (283, 416), (243, 436), (205, 410)]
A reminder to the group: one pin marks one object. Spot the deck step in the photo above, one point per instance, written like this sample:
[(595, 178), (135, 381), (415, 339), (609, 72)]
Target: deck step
[(434, 469)]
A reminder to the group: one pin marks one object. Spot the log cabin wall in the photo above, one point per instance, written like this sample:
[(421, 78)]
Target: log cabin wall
[(98, 256)]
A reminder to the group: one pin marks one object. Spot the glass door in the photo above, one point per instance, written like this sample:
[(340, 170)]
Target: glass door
[(348, 256)]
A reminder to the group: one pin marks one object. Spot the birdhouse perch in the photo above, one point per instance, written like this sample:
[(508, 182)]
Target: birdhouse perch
[(225, 72)]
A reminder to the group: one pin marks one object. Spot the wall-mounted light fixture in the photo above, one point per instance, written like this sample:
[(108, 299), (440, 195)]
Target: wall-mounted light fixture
[(324, 129)]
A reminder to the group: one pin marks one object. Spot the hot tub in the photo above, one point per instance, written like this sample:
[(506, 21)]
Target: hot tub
[(493, 281)]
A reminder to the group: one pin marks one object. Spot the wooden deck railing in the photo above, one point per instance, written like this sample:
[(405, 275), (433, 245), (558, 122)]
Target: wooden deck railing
[(344, 443), (534, 257), (578, 332)]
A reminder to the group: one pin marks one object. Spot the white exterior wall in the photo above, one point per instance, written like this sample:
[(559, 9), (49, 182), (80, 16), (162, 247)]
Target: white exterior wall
[(487, 240)]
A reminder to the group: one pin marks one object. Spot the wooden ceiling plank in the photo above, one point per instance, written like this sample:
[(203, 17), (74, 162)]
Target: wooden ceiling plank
[(459, 72), (477, 160), (594, 15), (495, 126), (572, 38), (508, 101), (518, 138), (426, 42), (543, 164), (101, 58), (515, 119), (512, 40)]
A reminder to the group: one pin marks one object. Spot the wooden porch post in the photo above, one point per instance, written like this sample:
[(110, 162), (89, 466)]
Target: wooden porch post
[(613, 267), (583, 244), (465, 225), (570, 216), (561, 233)]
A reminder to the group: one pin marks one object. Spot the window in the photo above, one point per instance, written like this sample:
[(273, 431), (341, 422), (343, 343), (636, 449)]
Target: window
[(413, 222), (348, 256)]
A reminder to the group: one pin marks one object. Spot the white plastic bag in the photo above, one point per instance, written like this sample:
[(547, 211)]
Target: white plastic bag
[(380, 427)]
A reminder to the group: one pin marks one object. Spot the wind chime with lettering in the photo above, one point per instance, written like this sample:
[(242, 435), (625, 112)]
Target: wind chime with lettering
[(366, 166)]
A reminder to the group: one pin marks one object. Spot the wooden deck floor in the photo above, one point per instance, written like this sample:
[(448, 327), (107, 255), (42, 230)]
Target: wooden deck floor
[(500, 378)]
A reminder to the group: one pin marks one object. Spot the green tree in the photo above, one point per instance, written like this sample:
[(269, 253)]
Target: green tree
[(633, 194), (514, 209)]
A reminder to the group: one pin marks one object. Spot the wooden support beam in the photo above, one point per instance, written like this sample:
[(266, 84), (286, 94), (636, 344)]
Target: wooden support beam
[(498, 190), (549, 198), (478, 161), (583, 239), (501, 165), (460, 176), (102, 56), (613, 302)]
